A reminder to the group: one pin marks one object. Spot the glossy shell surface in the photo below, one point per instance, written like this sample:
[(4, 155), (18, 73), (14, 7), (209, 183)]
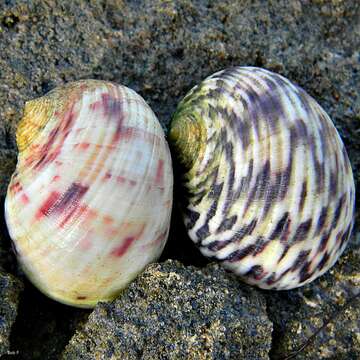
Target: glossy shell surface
[(89, 204), (270, 190)]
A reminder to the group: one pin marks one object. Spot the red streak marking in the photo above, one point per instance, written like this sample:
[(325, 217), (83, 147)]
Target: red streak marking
[(121, 179), (258, 276), (71, 198), (68, 216), (16, 188), (112, 109), (124, 246), (159, 239), (118, 132), (110, 105), (135, 132), (101, 104), (75, 213), (53, 155), (30, 160), (90, 214), (128, 132), (121, 249), (45, 154), (160, 173), (95, 105), (108, 220), (85, 243), (84, 146), (83, 209), (55, 178), (24, 199), (47, 205), (68, 120), (69, 205), (105, 101)]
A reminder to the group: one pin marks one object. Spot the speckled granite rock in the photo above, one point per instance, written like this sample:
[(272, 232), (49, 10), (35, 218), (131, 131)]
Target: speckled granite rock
[(10, 289), (7, 167), (297, 314), (177, 312)]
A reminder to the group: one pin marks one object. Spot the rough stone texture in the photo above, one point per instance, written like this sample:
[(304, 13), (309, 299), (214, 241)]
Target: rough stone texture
[(7, 167), (297, 314), (43, 327), (10, 289), (161, 49), (177, 312)]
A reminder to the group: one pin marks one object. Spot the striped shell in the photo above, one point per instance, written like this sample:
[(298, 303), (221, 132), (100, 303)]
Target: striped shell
[(270, 190), (89, 204)]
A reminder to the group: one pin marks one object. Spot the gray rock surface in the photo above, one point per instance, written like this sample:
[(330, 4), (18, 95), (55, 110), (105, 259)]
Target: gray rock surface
[(177, 312), (7, 167), (10, 289), (43, 327), (297, 314), (161, 49)]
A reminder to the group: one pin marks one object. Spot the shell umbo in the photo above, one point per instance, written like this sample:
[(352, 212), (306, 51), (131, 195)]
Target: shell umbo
[(270, 190), (89, 204)]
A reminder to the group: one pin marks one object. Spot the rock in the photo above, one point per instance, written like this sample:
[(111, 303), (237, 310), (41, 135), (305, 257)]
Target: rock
[(7, 167), (297, 314), (10, 289), (177, 312), (43, 327)]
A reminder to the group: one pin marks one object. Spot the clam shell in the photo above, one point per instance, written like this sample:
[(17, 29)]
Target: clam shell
[(89, 204), (270, 190)]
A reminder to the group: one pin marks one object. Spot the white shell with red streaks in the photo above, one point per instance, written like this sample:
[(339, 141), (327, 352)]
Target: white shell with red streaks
[(89, 204)]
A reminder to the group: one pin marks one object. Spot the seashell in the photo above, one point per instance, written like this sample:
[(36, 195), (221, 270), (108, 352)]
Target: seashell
[(89, 204), (270, 190)]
